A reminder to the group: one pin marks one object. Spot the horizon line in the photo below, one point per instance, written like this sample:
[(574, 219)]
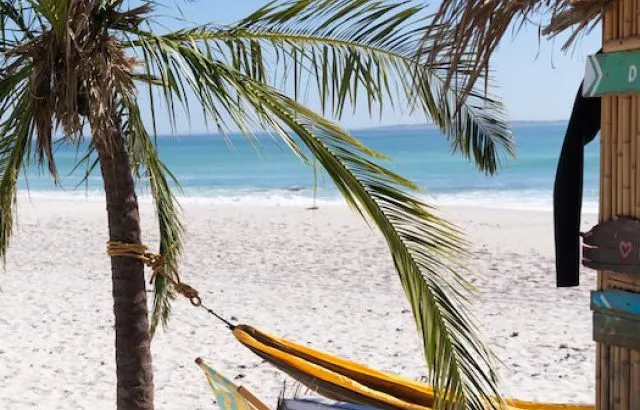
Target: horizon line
[(364, 128)]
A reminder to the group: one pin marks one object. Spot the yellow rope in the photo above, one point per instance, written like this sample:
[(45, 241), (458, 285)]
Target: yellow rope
[(157, 265)]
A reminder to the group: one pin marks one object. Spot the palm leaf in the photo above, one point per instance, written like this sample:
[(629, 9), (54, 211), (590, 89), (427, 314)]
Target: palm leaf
[(144, 157), (16, 131), (16, 120), (425, 249), (15, 23), (466, 33), (354, 50)]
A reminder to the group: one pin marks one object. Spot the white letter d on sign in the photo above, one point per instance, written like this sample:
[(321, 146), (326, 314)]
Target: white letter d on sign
[(633, 73)]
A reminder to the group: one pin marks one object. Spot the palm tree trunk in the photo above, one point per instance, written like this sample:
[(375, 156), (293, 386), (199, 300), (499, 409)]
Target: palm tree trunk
[(133, 354)]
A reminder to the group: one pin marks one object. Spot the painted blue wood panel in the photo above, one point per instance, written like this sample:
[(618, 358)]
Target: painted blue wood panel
[(616, 318), (619, 301), (616, 330)]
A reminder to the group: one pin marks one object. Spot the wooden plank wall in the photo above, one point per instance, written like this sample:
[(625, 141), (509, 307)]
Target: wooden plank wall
[(617, 368)]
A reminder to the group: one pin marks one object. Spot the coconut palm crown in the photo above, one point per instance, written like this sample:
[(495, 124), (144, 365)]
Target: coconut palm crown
[(72, 70)]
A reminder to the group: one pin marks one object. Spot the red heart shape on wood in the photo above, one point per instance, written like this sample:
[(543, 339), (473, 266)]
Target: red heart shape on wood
[(625, 248)]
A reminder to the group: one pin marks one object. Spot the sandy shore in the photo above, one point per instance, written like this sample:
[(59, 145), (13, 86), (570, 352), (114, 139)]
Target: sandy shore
[(321, 277)]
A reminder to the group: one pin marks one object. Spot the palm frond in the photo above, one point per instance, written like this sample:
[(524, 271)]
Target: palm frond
[(144, 158), (16, 23), (16, 116), (466, 33), (89, 159), (425, 249), (352, 53), (16, 131)]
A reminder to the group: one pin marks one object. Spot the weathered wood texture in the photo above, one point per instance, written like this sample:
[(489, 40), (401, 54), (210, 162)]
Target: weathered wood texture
[(618, 367), (613, 245), (616, 319)]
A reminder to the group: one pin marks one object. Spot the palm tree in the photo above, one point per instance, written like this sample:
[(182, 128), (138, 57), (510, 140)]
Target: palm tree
[(72, 69)]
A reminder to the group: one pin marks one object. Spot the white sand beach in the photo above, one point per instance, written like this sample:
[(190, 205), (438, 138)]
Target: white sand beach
[(322, 278)]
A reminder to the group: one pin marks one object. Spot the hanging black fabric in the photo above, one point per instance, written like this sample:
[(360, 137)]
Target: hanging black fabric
[(583, 127)]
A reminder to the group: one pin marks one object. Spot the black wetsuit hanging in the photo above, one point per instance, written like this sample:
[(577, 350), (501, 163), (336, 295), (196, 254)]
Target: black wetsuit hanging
[(567, 191)]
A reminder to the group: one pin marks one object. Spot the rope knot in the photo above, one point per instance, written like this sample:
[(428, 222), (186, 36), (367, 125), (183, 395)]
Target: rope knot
[(157, 264), (152, 260), (188, 292)]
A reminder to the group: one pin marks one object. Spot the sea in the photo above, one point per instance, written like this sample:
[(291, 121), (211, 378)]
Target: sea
[(230, 170)]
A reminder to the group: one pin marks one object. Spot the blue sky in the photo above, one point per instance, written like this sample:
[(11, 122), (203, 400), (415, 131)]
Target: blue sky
[(536, 80)]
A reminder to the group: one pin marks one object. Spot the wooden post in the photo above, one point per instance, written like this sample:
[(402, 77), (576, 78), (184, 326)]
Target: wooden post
[(618, 360)]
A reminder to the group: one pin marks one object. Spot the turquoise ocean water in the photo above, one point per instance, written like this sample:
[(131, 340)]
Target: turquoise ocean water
[(212, 170)]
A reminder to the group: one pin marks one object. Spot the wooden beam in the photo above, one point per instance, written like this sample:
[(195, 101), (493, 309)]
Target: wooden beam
[(621, 44)]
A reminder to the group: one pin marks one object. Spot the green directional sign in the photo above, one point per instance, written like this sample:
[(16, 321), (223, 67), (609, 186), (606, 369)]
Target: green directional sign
[(612, 73)]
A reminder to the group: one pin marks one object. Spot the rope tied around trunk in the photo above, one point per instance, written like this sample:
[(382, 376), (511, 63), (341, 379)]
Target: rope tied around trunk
[(157, 265)]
